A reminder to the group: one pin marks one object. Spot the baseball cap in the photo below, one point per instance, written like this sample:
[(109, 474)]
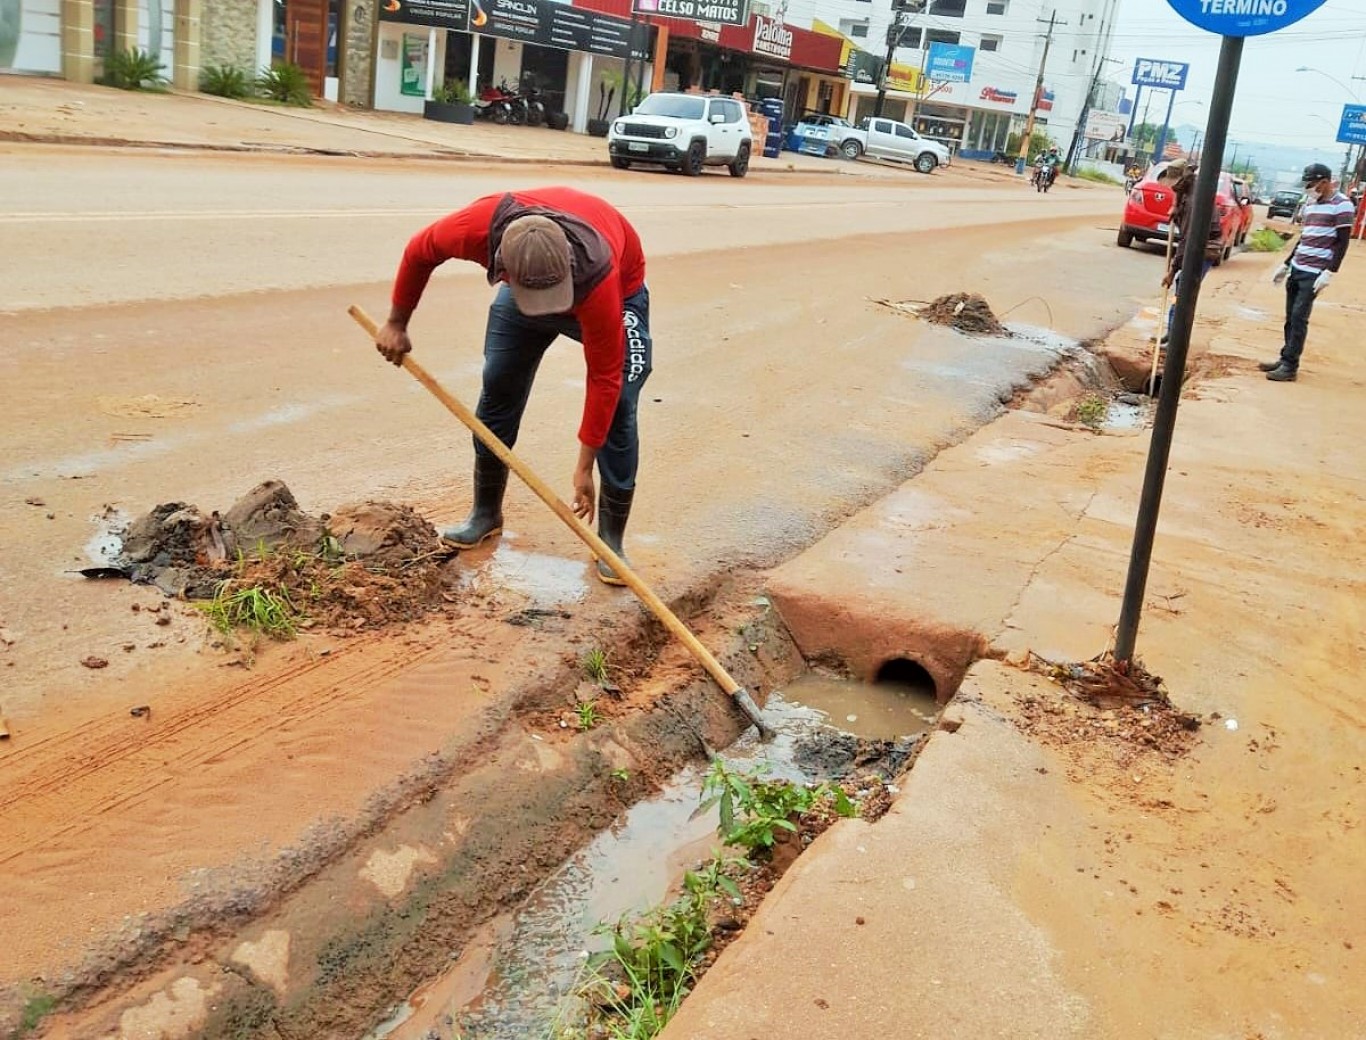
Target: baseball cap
[(1315, 172), (535, 255)]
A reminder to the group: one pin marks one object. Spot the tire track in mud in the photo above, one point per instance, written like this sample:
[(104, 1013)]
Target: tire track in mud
[(73, 780)]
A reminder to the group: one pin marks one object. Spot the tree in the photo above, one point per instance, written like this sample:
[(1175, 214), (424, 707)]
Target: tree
[(1145, 136)]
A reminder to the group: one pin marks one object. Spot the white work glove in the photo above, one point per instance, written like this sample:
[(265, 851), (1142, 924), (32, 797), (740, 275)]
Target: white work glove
[(1279, 275), (1322, 282)]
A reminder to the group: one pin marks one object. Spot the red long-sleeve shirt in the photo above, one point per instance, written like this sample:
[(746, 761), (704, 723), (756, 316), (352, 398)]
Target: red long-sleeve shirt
[(598, 291)]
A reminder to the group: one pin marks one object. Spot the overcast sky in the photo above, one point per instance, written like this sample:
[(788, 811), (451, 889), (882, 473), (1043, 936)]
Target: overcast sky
[(1273, 102)]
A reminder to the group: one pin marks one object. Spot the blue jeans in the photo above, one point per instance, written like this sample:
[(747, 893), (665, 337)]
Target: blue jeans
[(1299, 302), (513, 347), (1176, 283)]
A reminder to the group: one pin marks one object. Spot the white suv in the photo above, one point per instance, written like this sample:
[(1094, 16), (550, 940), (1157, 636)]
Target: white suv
[(683, 132)]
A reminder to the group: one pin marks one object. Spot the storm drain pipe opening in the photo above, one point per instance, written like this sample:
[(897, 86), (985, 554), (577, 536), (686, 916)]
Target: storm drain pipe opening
[(908, 676)]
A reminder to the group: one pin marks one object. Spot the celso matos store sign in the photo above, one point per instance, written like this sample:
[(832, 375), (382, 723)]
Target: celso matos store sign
[(723, 12), (1167, 75), (772, 37)]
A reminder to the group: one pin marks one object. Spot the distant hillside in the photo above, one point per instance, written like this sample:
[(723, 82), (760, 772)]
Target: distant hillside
[(1279, 164)]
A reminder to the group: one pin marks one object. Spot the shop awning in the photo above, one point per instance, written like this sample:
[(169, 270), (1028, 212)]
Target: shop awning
[(766, 38)]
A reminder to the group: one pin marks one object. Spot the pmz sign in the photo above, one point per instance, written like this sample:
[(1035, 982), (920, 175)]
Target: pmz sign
[(1243, 17), (1167, 75), (1352, 129)]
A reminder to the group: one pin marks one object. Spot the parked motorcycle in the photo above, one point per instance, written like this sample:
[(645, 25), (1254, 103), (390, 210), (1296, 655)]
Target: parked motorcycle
[(533, 99), (494, 104)]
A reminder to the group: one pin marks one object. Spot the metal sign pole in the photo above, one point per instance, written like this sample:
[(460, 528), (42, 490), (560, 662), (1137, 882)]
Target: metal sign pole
[(1164, 423)]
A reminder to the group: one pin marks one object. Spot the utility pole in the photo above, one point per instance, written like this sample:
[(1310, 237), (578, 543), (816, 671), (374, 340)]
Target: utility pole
[(1023, 157), (1103, 44), (900, 9)]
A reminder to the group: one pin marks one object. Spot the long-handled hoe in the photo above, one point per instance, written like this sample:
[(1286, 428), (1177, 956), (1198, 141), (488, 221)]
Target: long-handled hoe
[(586, 535)]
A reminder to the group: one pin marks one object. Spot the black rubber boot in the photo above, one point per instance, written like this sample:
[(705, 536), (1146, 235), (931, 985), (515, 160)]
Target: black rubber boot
[(614, 508), (1281, 374), (1270, 366), (486, 518)]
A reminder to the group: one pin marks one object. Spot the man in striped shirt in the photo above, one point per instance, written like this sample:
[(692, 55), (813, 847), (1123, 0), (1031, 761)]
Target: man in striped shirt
[(1328, 216)]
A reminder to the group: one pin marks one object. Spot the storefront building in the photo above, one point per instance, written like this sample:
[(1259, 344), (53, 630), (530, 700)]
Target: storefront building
[(575, 59), (71, 38), (329, 40), (760, 59)]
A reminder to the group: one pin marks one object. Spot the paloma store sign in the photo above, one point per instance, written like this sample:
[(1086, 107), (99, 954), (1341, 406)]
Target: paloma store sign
[(772, 37)]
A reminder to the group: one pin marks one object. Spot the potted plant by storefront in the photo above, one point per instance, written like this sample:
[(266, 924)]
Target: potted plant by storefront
[(607, 91), (611, 83), (451, 103)]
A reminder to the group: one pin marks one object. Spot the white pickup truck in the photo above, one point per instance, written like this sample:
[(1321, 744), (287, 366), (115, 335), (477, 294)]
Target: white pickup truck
[(887, 139)]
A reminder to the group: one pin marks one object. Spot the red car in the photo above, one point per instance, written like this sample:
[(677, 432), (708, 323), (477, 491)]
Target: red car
[(1149, 208)]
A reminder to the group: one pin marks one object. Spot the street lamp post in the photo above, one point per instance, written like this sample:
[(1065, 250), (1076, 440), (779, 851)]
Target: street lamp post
[(1356, 99)]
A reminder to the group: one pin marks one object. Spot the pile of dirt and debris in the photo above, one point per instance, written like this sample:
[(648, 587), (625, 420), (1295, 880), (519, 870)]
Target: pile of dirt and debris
[(836, 754), (363, 566), (966, 312), (1123, 706)]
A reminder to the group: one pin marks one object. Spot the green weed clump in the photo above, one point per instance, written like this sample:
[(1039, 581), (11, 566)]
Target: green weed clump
[(257, 608), (1264, 240), (594, 665), (1091, 410), (588, 715), (36, 1008), (753, 811), (637, 984), (1099, 177)]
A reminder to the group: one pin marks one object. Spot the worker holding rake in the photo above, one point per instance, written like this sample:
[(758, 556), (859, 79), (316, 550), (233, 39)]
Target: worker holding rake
[(566, 264)]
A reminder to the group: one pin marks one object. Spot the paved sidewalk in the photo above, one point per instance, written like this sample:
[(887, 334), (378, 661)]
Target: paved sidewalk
[(52, 111), (1072, 884), (57, 112)]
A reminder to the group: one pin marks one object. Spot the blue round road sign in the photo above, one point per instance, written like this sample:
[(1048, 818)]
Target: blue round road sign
[(1243, 17)]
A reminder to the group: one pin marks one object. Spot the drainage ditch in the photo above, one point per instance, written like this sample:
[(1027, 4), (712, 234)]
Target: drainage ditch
[(512, 972), (522, 975)]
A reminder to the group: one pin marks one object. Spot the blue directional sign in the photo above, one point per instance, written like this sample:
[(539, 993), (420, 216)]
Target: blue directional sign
[(1243, 17), (1169, 75), (1352, 129), (949, 62)]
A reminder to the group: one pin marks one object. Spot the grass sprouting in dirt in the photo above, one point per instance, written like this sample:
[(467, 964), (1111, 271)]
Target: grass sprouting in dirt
[(1091, 410), (1264, 240), (275, 594), (588, 715), (632, 989), (594, 665), (1098, 177), (259, 609), (36, 1008)]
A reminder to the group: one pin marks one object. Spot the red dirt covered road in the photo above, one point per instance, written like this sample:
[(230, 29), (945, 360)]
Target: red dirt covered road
[(207, 348)]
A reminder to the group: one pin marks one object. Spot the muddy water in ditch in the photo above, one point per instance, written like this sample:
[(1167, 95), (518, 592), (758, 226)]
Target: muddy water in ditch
[(517, 978), (881, 711)]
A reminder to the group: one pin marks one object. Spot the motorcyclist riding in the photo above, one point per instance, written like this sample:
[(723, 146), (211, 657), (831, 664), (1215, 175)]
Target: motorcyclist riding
[(1046, 168)]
